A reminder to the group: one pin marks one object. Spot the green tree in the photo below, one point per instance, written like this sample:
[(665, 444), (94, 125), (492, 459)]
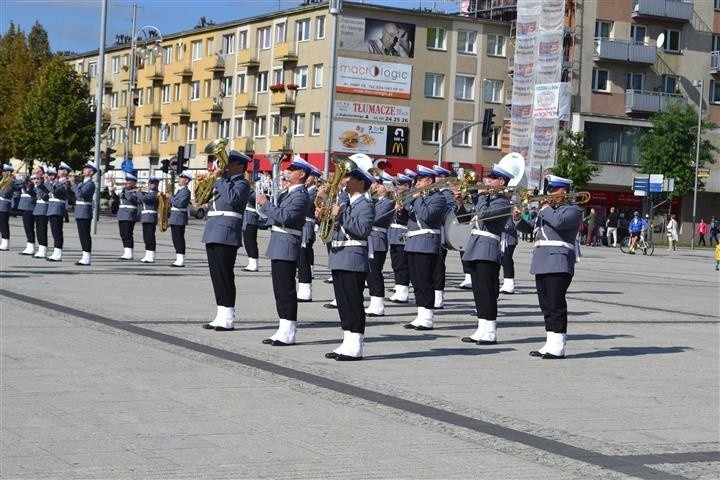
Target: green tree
[(16, 76), (39, 45), (56, 123), (573, 160), (668, 147)]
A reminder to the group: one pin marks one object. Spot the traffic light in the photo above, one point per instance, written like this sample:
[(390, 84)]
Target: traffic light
[(165, 165), (180, 162), (487, 128), (109, 159)]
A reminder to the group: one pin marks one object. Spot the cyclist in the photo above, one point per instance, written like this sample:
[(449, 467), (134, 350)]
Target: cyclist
[(636, 228)]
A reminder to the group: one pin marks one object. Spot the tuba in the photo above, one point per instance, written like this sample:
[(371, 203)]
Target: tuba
[(204, 187), (327, 221), (163, 207)]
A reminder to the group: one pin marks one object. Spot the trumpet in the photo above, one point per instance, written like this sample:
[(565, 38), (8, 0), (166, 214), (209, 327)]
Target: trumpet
[(576, 198)]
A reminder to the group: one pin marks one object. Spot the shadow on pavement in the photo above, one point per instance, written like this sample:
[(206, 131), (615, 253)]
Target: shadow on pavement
[(630, 352)]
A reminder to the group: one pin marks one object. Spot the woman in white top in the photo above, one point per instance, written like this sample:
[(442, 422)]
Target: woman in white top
[(672, 232)]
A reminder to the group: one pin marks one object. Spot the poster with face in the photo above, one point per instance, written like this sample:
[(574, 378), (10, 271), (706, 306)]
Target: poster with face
[(380, 37)]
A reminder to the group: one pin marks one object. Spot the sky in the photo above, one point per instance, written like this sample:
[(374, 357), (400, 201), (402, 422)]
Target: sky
[(74, 25)]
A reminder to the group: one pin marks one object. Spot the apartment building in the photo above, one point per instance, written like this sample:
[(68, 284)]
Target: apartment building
[(401, 85)]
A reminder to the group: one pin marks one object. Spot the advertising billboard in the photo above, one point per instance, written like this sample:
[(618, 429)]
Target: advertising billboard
[(379, 37), (375, 112), (371, 139), (368, 77)]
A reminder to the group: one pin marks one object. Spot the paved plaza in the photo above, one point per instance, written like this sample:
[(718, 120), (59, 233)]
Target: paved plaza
[(107, 374)]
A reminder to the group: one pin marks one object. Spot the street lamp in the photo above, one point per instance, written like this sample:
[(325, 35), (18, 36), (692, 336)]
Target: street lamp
[(698, 84)]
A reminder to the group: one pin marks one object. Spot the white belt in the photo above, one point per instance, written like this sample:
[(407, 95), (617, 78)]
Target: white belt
[(80, 202), (5, 199), (484, 233), (41, 201), (379, 229), (129, 206), (148, 211), (58, 200), (348, 243), (224, 213), (424, 231), (250, 209), (398, 225), (25, 195), (310, 219), (554, 243), (175, 209), (291, 231)]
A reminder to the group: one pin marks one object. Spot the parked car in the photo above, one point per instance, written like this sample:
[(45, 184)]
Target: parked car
[(198, 211)]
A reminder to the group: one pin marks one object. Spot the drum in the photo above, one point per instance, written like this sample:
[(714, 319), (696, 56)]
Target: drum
[(456, 234)]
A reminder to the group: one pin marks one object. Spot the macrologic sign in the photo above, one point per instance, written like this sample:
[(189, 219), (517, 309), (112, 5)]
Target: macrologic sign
[(375, 112), (367, 77)]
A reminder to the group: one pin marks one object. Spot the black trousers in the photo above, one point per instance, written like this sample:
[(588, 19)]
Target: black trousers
[(56, 227), (465, 266), (41, 227), (178, 238), (485, 287), (29, 225), (399, 263), (283, 281), (83, 227), (439, 271), (421, 267), (5, 225), (250, 241), (221, 262), (551, 290), (375, 279), (307, 260), (149, 236), (349, 288), (508, 264), (127, 229)]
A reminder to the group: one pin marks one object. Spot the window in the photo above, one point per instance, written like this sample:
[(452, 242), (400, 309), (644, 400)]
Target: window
[(123, 98), (148, 134), (205, 129), (299, 125), (638, 33), (613, 143), (92, 70), (715, 43), (195, 90), (600, 81), (196, 50), (466, 41), (302, 30), (224, 128), (149, 95), (243, 40), (139, 97), (435, 38), (318, 75), (113, 100), (165, 98), (319, 28), (493, 91), (461, 134), (496, 45), (431, 131), (239, 130), (464, 87), (603, 29), (301, 77), (175, 132), (226, 87), (259, 127), (672, 40), (192, 131), (717, 4), (634, 81), (669, 83), (277, 76), (207, 85), (434, 85), (180, 52), (240, 83), (280, 33), (262, 82), (315, 123), (275, 124), (115, 64), (264, 40), (176, 92), (167, 55), (492, 141), (714, 94), (228, 46), (137, 135), (210, 46)]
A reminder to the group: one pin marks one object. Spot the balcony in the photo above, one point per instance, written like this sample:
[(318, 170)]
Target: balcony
[(152, 111), (124, 74), (284, 52), (715, 62), (247, 58), (108, 85), (284, 99), (210, 105), (648, 101), (106, 116), (666, 9), (153, 72), (181, 68), (150, 149), (212, 63), (608, 49), (180, 108), (280, 144), (123, 112), (244, 144), (245, 102)]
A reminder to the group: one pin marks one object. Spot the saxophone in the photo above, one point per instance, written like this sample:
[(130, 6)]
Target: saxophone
[(327, 220), (204, 186), (163, 207)]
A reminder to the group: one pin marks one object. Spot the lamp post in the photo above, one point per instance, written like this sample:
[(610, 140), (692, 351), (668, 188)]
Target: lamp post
[(335, 8), (699, 84)]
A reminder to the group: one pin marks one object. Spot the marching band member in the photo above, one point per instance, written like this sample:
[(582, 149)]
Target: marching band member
[(439, 272), (57, 209), (5, 205), (483, 256), (148, 201), (223, 236), (251, 221), (287, 219), (509, 242), (26, 206), (42, 196), (127, 215), (397, 235), (553, 261), (348, 262), (426, 214), (179, 202), (378, 246), (84, 191), (307, 254)]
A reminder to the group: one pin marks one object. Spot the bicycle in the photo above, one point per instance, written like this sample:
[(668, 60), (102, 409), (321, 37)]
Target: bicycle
[(643, 244)]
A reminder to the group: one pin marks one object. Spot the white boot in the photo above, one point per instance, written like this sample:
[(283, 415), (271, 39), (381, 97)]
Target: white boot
[(149, 257), (376, 307), (85, 260), (179, 260), (508, 286), (127, 254), (41, 252), (467, 283), (423, 321), (477, 335), (5, 244), (304, 292), (29, 249), (224, 319), (555, 344), (354, 345), (439, 299), (56, 255), (401, 294), (489, 336), (285, 333), (252, 265)]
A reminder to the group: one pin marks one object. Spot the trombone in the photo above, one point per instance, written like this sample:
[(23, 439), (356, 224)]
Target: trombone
[(576, 198)]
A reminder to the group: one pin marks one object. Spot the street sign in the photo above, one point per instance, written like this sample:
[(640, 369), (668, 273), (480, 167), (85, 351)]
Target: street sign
[(669, 185), (656, 183), (641, 185), (703, 172)]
